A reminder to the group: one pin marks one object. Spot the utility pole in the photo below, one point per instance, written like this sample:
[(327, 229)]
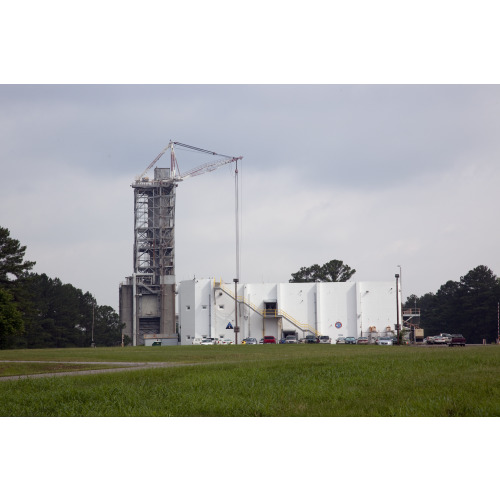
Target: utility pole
[(398, 326), (93, 308)]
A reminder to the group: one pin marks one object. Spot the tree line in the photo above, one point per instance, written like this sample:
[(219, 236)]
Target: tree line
[(37, 311), (468, 306)]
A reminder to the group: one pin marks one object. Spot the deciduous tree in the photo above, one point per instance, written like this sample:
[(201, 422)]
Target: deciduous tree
[(335, 270)]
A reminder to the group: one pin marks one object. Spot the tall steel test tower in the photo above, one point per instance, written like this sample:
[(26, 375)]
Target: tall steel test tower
[(147, 298)]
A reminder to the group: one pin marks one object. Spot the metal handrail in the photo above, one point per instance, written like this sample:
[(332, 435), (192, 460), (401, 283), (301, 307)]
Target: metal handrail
[(278, 312)]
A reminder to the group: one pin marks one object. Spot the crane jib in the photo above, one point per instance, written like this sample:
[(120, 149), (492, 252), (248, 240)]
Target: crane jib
[(202, 150), (206, 167)]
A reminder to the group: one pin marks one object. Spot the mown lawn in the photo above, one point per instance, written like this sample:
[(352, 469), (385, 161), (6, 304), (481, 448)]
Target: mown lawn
[(282, 380)]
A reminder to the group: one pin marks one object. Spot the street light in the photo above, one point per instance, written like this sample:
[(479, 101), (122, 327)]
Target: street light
[(398, 326), (93, 314), (401, 290), (236, 327)]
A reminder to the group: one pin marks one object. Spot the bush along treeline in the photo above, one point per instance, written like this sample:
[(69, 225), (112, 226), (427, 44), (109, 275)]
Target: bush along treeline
[(37, 311), (468, 306)]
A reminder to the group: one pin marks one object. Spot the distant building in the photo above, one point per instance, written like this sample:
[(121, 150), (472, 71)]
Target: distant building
[(206, 308)]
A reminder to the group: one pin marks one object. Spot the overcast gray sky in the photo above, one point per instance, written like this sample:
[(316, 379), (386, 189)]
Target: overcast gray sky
[(374, 175)]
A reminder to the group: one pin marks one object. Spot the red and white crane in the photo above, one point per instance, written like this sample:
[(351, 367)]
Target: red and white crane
[(153, 280)]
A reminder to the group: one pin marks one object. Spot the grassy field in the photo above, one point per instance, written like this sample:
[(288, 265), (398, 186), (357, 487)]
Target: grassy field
[(281, 380)]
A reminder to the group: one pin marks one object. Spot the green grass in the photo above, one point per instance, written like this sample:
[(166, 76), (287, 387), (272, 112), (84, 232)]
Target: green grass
[(282, 380)]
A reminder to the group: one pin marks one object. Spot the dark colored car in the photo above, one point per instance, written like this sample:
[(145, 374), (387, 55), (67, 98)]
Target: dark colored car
[(269, 340), (310, 339), (457, 339), (350, 340)]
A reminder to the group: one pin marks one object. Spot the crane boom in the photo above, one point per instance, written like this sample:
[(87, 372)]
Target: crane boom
[(155, 161), (199, 170), (208, 167)]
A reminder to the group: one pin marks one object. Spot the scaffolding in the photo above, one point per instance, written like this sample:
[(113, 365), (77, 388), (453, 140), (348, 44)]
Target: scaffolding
[(154, 256)]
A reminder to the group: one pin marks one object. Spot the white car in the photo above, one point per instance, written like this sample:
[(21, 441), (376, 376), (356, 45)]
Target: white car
[(208, 341), (225, 341), (197, 341), (325, 339), (442, 338), (385, 341), (340, 340)]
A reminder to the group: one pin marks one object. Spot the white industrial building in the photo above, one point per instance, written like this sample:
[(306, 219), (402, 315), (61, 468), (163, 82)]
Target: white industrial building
[(206, 308)]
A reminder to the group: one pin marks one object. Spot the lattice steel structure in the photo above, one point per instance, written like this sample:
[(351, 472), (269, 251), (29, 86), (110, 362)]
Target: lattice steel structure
[(147, 299), (154, 256), (154, 216)]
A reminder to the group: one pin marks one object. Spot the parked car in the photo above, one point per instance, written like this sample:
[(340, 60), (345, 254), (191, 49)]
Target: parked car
[(442, 338), (363, 340), (208, 341), (291, 339), (261, 341), (439, 340), (385, 341), (283, 340), (269, 339), (251, 341), (457, 339), (197, 341), (325, 339), (225, 341), (340, 340), (350, 340), (310, 339), (429, 340)]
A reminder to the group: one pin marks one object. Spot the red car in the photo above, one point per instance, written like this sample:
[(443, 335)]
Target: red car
[(269, 340), (457, 339)]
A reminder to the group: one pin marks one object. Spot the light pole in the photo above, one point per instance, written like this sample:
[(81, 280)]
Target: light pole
[(398, 326), (236, 327), (401, 290), (93, 314)]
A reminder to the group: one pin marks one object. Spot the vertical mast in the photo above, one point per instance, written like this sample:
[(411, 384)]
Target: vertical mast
[(237, 221)]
